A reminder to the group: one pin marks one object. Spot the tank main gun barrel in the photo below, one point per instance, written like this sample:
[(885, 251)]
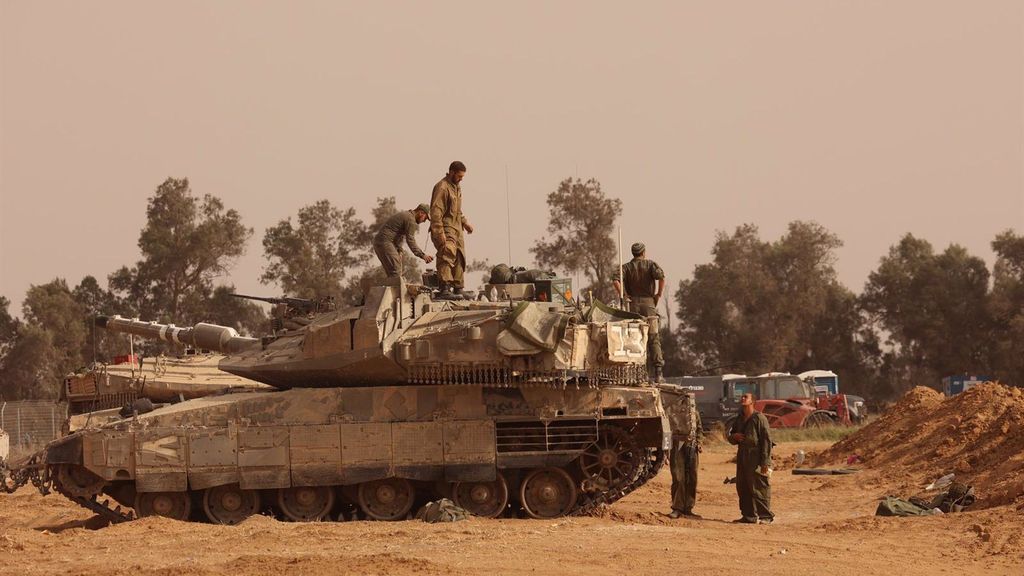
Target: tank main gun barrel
[(204, 336)]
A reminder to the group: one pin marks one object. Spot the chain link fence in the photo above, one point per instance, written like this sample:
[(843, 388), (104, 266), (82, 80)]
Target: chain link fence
[(30, 424)]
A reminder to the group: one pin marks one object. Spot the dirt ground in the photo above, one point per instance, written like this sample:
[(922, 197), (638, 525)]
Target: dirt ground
[(824, 525)]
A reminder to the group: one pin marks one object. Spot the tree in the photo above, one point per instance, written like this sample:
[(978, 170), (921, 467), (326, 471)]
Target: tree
[(1007, 308), (8, 327), (46, 346), (761, 306), (934, 308), (581, 222), (186, 243), (31, 366), (52, 308), (312, 259), (94, 301)]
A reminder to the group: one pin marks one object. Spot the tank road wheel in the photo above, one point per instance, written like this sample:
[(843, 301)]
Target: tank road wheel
[(548, 493), (230, 504), (611, 461), (77, 481), (306, 503), (387, 499), (484, 499), (174, 505)]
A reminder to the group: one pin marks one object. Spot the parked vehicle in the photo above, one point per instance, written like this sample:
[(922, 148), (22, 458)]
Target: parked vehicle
[(953, 385), (787, 400)]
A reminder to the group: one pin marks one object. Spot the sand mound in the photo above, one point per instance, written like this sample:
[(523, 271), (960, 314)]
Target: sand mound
[(979, 435)]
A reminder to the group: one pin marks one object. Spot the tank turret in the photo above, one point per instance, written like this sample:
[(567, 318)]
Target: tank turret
[(400, 335)]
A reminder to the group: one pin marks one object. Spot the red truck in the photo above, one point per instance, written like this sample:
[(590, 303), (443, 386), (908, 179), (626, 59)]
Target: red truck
[(792, 402)]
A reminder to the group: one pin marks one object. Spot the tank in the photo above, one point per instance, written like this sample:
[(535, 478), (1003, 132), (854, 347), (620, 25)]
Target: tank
[(538, 408), (107, 392)]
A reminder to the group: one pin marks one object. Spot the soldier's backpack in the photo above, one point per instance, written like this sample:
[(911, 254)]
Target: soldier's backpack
[(501, 274), (443, 510)]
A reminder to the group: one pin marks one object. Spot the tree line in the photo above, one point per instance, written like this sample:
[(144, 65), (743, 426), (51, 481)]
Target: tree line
[(187, 242), (757, 305)]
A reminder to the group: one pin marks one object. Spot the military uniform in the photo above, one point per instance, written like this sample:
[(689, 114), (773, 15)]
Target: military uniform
[(641, 277), (752, 487), (446, 216), (387, 244), (684, 419)]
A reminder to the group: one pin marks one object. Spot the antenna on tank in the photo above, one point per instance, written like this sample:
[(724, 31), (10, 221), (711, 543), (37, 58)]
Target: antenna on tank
[(622, 281), (668, 316), (508, 218)]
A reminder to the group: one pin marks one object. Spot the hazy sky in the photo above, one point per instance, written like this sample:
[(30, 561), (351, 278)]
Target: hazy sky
[(873, 118)]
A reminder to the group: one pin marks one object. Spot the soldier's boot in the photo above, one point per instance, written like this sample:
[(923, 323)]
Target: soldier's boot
[(659, 378), (446, 293)]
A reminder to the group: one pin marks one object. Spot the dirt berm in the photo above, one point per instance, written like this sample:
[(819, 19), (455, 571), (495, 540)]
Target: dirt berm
[(978, 435)]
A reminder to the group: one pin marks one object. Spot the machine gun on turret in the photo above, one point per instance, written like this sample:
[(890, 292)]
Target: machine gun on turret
[(292, 313), (301, 306)]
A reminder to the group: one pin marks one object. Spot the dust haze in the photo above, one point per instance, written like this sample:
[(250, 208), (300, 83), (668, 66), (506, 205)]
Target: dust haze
[(872, 118)]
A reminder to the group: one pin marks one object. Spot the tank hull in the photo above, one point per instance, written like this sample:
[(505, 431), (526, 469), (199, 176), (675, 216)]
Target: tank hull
[(419, 441)]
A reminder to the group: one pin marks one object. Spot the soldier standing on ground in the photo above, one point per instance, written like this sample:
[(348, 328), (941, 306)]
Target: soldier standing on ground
[(446, 225), (387, 244), (684, 458), (644, 283), (751, 434)]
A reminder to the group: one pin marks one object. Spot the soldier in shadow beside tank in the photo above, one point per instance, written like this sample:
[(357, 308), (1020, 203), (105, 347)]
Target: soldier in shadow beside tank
[(446, 225), (387, 244), (684, 459), (644, 283)]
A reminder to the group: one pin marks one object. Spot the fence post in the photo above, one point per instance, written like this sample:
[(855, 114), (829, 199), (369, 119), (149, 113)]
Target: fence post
[(19, 428)]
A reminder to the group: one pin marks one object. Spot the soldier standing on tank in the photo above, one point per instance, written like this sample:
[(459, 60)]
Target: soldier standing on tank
[(387, 244), (684, 419), (751, 434), (644, 284), (446, 225)]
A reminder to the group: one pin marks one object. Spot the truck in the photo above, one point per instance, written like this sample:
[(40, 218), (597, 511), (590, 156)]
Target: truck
[(953, 385), (787, 401)]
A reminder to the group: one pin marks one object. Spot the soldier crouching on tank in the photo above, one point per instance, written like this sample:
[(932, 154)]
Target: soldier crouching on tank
[(446, 225), (751, 434), (641, 276), (684, 458), (387, 244)]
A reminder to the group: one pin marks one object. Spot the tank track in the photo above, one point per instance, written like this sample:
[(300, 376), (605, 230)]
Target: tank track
[(40, 477), (103, 509), (592, 503)]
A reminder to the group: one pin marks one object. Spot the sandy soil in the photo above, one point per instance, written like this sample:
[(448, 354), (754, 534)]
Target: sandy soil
[(825, 525)]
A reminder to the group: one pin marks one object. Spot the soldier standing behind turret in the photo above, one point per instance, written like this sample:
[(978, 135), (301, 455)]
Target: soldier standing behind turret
[(446, 225), (644, 284)]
